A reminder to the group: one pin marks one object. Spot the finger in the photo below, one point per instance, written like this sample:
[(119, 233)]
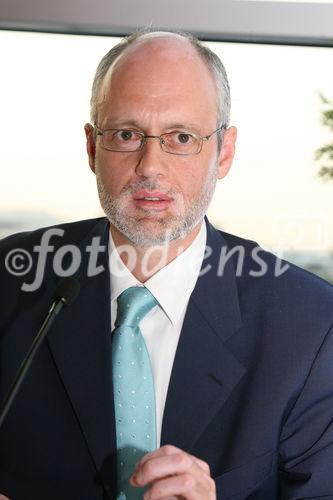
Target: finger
[(170, 450), (174, 486), (160, 467), (167, 449), (2, 497), (203, 465)]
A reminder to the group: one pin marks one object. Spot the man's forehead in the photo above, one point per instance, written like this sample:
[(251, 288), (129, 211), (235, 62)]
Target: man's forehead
[(155, 50), (164, 66)]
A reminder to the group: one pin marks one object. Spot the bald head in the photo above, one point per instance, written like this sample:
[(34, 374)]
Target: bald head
[(176, 52), (159, 63)]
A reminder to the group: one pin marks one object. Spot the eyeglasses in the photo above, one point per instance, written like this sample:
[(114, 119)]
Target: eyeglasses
[(178, 142)]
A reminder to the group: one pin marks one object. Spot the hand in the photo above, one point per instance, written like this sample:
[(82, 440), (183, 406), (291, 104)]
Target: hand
[(2, 497), (172, 474)]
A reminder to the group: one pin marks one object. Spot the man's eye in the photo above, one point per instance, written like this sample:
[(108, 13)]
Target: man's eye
[(184, 138), (125, 135)]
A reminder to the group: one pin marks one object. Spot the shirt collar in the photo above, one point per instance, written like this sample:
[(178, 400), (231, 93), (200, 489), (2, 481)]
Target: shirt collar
[(172, 285)]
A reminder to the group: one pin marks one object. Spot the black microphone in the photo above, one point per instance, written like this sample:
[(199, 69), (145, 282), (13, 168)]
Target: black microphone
[(66, 291)]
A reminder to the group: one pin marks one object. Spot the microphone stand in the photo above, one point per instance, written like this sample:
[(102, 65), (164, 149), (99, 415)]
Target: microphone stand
[(65, 293)]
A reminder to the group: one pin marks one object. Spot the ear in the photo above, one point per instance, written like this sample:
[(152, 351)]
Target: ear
[(91, 145), (227, 152)]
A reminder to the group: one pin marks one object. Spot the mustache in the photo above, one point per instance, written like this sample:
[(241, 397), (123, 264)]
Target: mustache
[(148, 185)]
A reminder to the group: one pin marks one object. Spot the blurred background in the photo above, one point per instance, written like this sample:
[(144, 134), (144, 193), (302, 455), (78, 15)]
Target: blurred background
[(278, 79)]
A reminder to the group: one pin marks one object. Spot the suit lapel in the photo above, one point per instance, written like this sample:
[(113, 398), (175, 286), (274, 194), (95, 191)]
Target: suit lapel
[(204, 372), (80, 344)]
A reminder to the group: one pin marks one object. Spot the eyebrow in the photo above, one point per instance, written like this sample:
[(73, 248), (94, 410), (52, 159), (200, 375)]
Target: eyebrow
[(133, 123), (186, 126), (122, 123)]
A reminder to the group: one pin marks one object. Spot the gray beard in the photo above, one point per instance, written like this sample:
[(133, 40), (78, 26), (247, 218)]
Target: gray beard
[(170, 228)]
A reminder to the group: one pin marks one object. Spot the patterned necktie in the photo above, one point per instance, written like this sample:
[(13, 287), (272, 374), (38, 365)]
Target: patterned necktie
[(133, 385)]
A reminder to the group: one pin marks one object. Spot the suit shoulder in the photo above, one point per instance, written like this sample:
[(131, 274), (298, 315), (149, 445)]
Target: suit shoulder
[(29, 259), (279, 296), (70, 231), (261, 269)]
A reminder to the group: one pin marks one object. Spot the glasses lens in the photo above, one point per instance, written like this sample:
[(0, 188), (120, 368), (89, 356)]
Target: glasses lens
[(181, 143), (122, 140)]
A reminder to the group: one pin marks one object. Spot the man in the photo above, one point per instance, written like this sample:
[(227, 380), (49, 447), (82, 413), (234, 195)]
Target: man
[(240, 350)]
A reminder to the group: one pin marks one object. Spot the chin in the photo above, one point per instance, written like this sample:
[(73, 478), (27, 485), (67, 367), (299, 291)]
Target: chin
[(153, 232)]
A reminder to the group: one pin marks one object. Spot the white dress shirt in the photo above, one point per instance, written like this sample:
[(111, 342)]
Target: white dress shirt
[(161, 327)]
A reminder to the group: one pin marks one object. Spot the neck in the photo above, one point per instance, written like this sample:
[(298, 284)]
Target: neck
[(145, 261)]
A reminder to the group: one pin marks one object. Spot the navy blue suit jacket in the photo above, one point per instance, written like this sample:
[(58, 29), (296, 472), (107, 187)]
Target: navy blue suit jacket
[(251, 389)]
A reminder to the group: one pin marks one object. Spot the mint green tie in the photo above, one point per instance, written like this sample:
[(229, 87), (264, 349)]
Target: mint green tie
[(133, 385)]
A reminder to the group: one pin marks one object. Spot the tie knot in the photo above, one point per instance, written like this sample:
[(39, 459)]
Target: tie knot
[(133, 304)]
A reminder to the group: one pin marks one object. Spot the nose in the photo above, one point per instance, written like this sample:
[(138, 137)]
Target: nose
[(152, 161)]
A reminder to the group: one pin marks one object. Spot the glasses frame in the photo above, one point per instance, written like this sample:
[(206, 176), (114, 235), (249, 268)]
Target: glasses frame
[(100, 132)]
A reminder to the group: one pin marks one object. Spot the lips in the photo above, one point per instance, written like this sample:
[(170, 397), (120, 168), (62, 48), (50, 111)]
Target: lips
[(152, 200), (151, 196)]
